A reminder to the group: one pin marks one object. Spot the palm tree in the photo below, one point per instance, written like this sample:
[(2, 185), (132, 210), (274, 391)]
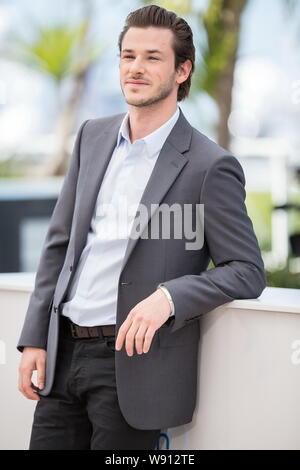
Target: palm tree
[(61, 51), (221, 22)]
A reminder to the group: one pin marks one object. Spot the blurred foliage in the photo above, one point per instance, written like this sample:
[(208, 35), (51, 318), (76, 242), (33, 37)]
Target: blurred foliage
[(61, 50), (259, 207), (222, 42), (295, 214), (11, 168), (283, 278), (180, 7), (58, 50)]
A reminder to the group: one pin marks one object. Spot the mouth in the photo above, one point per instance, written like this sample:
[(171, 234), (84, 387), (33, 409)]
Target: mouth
[(133, 83)]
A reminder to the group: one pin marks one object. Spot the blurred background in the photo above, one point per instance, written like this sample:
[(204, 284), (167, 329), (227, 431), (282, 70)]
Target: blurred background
[(59, 67)]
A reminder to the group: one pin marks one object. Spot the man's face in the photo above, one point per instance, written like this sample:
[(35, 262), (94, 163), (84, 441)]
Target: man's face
[(147, 56)]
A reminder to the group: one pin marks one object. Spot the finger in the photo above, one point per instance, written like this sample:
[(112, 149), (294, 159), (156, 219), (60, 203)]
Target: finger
[(120, 337), (28, 387), (41, 373), (139, 338), (29, 392), (148, 339), (21, 386), (130, 337), (122, 332)]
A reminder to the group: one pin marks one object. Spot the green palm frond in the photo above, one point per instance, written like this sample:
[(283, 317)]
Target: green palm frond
[(180, 7), (57, 50)]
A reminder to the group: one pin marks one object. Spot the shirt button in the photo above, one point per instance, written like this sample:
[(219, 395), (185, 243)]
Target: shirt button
[(71, 267), (126, 283)]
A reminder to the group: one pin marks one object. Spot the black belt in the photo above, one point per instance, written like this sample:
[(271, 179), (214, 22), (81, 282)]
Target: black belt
[(78, 331)]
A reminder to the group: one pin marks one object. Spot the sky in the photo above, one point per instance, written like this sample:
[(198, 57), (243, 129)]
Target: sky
[(267, 79)]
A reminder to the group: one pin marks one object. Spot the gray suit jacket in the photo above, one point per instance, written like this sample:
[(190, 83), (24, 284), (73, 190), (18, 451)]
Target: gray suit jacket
[(157, 389)]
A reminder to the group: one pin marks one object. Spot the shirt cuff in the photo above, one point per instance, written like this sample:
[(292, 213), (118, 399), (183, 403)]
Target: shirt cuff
[(168, 295)]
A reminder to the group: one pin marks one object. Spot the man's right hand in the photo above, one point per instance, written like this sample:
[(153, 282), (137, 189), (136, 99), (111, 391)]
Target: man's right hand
[(32, 359)]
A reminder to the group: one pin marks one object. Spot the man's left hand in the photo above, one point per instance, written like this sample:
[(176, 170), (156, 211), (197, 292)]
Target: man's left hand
[(142, 322)]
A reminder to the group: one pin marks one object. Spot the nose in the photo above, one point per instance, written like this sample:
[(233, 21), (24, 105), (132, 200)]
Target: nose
[(136, 66)]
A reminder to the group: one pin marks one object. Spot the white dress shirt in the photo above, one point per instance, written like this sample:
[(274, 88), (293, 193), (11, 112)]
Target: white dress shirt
[(93, 291)]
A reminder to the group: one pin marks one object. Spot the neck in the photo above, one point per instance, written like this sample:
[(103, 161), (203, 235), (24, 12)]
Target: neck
[(144, 120)]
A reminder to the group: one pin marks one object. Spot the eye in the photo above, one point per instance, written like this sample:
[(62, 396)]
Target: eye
[(132, 57)]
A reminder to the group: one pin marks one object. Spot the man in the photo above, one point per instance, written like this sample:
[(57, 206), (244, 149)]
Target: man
[(112, 323)]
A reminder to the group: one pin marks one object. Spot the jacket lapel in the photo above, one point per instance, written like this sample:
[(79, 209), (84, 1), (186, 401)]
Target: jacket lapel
[(99, 149), (168, 166)]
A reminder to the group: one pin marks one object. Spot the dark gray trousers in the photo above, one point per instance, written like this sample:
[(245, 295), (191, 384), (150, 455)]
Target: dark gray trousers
[(82, 411)]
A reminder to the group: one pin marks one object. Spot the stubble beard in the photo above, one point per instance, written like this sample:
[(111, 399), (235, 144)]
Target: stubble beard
[(162, 93)]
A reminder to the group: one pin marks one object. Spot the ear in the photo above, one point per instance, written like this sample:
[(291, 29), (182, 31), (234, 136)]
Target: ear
[(183, 71)]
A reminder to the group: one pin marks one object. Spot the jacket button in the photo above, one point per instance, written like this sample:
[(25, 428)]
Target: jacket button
[(126, 283)]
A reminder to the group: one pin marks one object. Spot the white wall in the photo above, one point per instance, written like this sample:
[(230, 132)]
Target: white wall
[(249, 374), (15, 410)]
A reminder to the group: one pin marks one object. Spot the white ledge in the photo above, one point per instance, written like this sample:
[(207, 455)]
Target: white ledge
[(272, 299), (17, 281)]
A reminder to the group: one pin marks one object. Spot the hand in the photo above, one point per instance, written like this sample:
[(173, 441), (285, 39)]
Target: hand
[(32, 359), (141, 323)]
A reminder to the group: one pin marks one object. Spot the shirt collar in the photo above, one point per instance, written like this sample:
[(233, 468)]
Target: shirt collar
[(153, 141)]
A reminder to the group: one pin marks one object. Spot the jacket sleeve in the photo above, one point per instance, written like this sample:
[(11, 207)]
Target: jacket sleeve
[(35, 329), (232, 244)]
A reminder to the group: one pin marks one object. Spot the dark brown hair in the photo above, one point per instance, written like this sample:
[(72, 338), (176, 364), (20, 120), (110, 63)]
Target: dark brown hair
[(183, 46)]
